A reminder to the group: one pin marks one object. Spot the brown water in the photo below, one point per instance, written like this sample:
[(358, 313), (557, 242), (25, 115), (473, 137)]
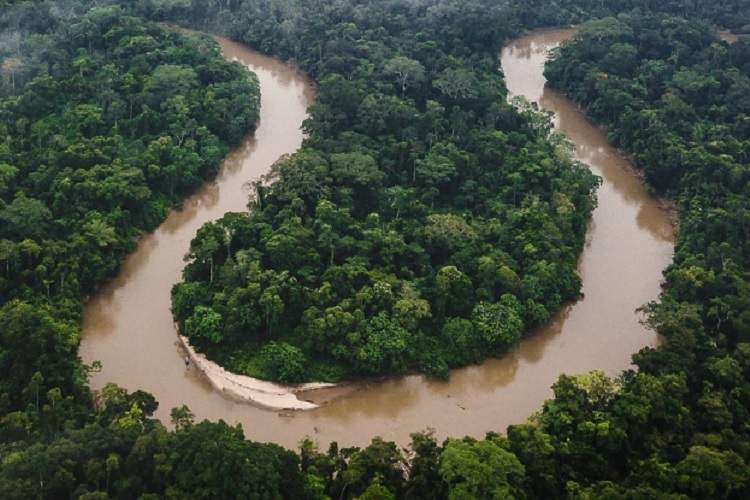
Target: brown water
[(129, 328)]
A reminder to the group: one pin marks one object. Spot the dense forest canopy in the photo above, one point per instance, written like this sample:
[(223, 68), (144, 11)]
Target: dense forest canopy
[(106, 120), (731, 14), (438, 225), (676, 98)]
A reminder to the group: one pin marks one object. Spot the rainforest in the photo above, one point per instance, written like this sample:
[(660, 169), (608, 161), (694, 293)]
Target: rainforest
[(428, 220)]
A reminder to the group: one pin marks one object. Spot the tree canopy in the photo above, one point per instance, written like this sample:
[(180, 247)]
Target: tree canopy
[(424, 224), (419, 198)]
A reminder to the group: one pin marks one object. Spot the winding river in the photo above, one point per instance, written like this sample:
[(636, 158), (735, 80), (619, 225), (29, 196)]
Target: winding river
[(128, 325)]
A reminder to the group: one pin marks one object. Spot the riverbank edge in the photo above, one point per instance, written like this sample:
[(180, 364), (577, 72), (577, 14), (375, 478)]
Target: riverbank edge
[(268, 395), (262, 393), (275, 396)]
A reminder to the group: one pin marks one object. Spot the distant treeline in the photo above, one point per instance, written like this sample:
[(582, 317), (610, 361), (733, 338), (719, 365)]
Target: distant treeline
[(731, 14)]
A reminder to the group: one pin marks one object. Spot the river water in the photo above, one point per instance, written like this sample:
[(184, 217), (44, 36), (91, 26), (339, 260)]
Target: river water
[(128, 325)]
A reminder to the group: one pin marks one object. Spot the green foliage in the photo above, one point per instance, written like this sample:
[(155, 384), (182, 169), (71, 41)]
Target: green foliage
[(481, 469), (204, 323), (423, 223), (499, 325), (213, 460), (669, 92), (37, 353), (377, 491), (284, 362), (384, 347), (106, 120), (729, 13), (418, 197), (709, 473)]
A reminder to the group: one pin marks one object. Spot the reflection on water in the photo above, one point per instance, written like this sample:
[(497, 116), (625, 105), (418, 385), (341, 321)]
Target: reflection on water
[(129, 327), (617, 171)]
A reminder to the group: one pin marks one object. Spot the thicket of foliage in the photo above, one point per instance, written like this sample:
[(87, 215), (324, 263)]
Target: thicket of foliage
[(424, 224), (123, 453), (732, 14), (106, 121), (677, 428), (677, 98)]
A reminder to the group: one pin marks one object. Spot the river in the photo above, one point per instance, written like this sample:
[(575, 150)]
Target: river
[(128, 325)]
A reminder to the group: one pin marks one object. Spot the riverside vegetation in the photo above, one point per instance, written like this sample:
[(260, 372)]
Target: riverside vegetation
[(424, 224), (106, 122), (81, 139)]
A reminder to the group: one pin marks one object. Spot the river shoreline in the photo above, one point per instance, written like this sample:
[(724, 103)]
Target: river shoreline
[(311, 395), (268, 395), (130, 328), (668, 205)]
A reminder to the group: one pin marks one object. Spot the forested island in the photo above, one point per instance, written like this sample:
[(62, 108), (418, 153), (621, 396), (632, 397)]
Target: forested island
[(424, 225)]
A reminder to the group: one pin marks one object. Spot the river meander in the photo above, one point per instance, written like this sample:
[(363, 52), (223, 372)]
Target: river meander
[(128, 324)]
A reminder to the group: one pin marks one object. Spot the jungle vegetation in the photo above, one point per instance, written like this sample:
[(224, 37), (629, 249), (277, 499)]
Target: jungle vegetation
[(425, 224), (106, 121), (669, 92)]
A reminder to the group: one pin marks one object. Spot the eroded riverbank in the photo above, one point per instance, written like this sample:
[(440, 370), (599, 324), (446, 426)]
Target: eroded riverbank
[(129, 327)]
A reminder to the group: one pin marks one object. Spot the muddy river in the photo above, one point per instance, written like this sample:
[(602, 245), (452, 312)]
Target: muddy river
[(128, 325)]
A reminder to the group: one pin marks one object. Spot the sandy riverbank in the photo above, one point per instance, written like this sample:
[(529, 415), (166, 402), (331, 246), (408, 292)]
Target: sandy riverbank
[(252, 390)]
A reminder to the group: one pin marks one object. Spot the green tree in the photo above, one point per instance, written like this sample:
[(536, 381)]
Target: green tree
[(284, 362), (213, 460), (407, 71), (480, 469), (499, 324), (385, 346), (205, 323), (711, 473)]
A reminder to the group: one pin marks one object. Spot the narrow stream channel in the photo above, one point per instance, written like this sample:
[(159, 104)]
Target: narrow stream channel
[(128, 325)]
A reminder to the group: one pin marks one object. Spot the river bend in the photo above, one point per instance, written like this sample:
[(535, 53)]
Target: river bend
[(128, 324)]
